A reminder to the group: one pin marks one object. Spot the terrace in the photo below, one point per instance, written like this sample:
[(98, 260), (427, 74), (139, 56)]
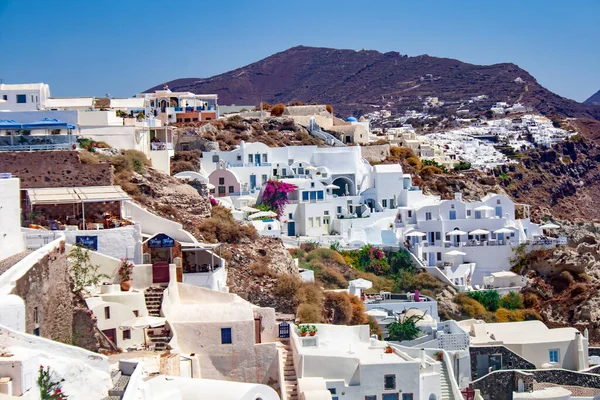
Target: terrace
[(46, 134)]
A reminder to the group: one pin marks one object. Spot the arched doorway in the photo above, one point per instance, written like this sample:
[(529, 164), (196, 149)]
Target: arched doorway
[(346, 186), (432, 396)]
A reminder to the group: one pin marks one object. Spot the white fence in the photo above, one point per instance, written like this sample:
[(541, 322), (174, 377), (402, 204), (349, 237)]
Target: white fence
[(34, 241)]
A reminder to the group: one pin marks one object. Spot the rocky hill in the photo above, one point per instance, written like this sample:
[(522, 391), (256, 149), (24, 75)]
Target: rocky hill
[(594, 99), (353, 81)]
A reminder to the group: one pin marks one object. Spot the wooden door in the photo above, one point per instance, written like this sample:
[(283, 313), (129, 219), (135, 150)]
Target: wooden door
[(257, 329)]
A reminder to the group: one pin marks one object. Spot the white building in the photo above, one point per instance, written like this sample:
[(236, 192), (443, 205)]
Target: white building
[(346, 362), (23, 97), (464, 242)]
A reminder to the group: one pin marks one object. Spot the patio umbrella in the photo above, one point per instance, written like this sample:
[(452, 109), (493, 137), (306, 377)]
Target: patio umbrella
[(143, 323), (456, 233), (361, 283), (375, 312), (10, 124), (415, 234), (309, 168), (210, 186), (249, 209), (549, 225), (503, 230), (246, 198), (455, 253), (332, 186), (48, 123), (479, 232), (263, 214)]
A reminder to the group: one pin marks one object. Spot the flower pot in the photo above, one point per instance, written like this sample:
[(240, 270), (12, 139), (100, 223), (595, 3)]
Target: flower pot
[(312, 333), (302, 334), (388, 350), (125, 285)]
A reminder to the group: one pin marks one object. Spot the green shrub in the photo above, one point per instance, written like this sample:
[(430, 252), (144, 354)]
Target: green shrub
[(512, 301), (490, 299), (469, 306)]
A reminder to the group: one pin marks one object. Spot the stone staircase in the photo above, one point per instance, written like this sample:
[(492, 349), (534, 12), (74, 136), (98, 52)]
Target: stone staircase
[(154, 296), (159, 336), (120, 382), (445, 384), (290, 384)]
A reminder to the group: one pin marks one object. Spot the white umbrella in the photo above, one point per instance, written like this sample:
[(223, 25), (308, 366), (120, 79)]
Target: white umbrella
[(210, 186), (549, 226), (309, 168), (483, 208), (246, 198), (479, 232), (249, 209), (376, 313), (261, 214), (456, 233), (361, 283), (503, 230), (415, 233), (332, 186), (455, 253), (143, 322)]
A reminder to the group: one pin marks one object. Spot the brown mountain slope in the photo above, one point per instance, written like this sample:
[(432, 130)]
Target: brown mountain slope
[(594, 99), (353, 80)]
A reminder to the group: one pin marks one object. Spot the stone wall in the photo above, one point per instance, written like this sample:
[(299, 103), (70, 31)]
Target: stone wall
[(376, 153), (510, 360), (46, 290), (594, 351), (40, 169), (500, 385), (566, 377)]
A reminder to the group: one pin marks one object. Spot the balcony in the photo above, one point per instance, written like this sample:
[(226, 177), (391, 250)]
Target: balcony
[(159, 146), (33, 143)]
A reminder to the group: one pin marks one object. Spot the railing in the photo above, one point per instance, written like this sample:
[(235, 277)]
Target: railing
[(36, 147), (240, 165), (34, 241), (161, 146)]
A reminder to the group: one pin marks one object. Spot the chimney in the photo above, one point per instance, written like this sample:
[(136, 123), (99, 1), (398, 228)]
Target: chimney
[(458, 196)]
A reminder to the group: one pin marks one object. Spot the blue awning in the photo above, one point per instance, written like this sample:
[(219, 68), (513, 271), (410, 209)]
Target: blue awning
[(48, 123), (9, 124)]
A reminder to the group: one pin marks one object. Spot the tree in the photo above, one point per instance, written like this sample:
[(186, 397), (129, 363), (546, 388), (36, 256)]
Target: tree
[(512, 301), (82, 270), (277, 110), (275, 195), (405, 329), (49, 390)]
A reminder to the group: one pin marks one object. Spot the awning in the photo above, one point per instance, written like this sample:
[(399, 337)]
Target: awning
[(479, 232), (143, 322), (48, 123), (9, 124), (85, 194)]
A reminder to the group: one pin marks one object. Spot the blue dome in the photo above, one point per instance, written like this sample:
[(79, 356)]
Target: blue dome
[(351, 119)]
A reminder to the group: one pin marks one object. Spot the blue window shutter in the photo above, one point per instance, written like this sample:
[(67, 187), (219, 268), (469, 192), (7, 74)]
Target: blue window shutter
[(226, 336)]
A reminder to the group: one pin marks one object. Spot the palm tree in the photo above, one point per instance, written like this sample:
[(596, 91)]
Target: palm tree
[(405, 329)]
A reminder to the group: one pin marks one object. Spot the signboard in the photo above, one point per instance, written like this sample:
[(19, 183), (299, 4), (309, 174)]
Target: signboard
[(161, 240), (89, 242), (561, 240)]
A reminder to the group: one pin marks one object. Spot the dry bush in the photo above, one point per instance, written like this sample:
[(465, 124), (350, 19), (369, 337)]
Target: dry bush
[(88, 158), (401, 153), (379, 282), (329, 108), (277, 110), (222, 227), (414, 162), (430, 170), (181, 166), (504, 315), (310, 314), (331, 278), (137, 160), (310, 293), (192, 156), (297, 253), (358, 312), (531, 300), (288, 286), (338, 308), (325, 254), (260, 269), (469, 306), (123, 179)]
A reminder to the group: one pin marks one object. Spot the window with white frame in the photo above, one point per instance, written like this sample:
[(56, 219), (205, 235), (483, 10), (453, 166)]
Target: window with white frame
[(427, 216), (318, 221), (384, 203), (21, 98), (310, 222), (554, 356)]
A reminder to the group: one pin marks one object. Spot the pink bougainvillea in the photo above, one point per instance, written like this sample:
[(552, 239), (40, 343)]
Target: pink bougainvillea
[(275, 195)]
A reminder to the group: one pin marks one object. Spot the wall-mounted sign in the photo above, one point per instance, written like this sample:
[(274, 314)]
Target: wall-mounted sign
[(89, 242), (161, 240)]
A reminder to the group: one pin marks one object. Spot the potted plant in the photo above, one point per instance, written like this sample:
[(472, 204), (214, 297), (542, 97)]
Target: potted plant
[(303, 330), (388, 349), (439, 355), (312, 330), (125, 272)]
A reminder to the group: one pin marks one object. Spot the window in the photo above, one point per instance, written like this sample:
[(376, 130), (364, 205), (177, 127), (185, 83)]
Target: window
[(427, 216), (310, 222), (250, 159), (36, 317), (226, 336), (4, 97), (126, 334), (553, 356), (452, 214), (274, 171), (221, 189), (221, 181), (106, 312), (407, 396), (339, 210), (498, 201), (312, 184), (136, 313), (318, 222), (468, 213), (32, 98), (389, 382), (300, 171), (239, 157), (438, 236), (21, 99), (320, 195), (391, 203), (283, 171), (264, 158), (265, 178), (370, 397), (304, 196), (290, 216), (187, 120), (477, 214), (409, 213), (325, 212), (390, 396), (384, 203), (439, 256), (215, 158), (230, 189), (333, 391)]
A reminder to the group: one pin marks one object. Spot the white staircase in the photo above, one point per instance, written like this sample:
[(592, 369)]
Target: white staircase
[(445, 384), (290, 383)]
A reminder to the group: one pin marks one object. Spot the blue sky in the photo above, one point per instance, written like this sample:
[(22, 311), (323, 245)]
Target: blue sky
[(90, 47)]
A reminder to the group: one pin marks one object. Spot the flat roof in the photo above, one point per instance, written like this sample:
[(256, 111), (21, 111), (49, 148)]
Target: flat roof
[(67, 102), (83, 194)]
